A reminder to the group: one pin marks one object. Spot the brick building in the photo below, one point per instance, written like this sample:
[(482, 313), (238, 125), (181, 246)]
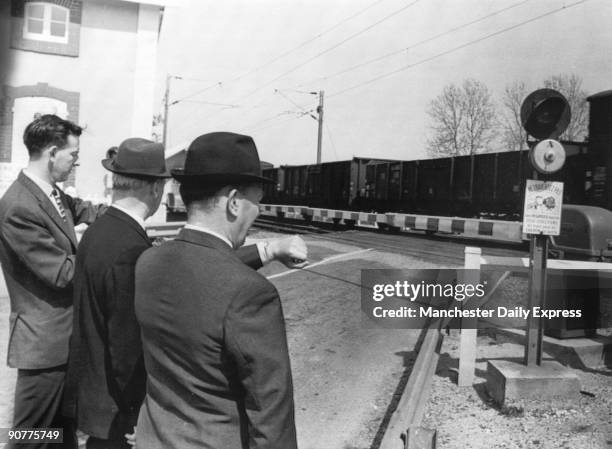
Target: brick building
[(91, 61)]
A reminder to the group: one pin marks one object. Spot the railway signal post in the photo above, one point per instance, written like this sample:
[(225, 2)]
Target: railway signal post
[(545, 114)]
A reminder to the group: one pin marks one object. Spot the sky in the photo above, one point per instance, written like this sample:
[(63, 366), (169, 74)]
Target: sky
[(250, 66)]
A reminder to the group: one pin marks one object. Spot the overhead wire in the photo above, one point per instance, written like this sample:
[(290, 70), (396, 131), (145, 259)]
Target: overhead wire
[(454, 49), (333, 47), (288, 52), (186, 97), (270, 125), (388, 16), (308, 41), (415, 45), (254, 125), (288, 99), (406, 67)]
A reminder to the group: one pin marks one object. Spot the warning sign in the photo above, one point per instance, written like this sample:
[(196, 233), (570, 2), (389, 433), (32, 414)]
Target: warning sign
[(543, 202)]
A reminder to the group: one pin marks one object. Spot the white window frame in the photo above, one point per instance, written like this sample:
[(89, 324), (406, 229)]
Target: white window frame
[(46, 32)]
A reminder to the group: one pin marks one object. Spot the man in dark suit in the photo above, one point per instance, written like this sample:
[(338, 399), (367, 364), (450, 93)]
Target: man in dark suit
[(106, 375), (213, 330), (37, 252)]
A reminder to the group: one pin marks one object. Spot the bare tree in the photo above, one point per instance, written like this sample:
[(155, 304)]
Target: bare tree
[(571, 87), (462, 120), (513, 134)]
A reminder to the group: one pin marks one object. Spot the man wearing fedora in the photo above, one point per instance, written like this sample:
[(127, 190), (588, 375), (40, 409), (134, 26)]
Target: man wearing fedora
[(106, 374), (37, 252), (213, 329)]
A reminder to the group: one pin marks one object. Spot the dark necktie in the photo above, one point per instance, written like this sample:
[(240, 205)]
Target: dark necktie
[(60, 206)]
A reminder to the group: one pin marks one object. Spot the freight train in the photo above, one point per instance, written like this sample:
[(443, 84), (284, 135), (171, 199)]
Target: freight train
[(481, 185)]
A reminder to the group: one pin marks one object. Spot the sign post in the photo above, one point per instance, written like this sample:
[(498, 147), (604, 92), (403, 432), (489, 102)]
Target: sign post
[(541, 218)]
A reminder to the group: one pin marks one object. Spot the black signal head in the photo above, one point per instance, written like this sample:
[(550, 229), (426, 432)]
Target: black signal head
[(545, 114)]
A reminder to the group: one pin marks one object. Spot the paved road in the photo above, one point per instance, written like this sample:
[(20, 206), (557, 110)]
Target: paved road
[(345, 376)]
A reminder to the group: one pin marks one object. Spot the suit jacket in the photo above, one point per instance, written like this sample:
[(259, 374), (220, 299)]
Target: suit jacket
[(106, 377), (215, 350), (37, 252)]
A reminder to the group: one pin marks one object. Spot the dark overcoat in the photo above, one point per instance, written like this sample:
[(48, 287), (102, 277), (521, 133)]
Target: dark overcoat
[(106, 375), (215, 350)]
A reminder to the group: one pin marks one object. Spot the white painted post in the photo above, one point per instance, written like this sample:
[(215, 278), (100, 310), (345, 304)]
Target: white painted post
[(467, 343)]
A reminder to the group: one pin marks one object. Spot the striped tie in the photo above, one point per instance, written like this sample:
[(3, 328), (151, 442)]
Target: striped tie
[(60, 206)]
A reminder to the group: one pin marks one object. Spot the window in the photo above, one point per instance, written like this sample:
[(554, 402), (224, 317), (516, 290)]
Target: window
[(46, 22), (46, 26)]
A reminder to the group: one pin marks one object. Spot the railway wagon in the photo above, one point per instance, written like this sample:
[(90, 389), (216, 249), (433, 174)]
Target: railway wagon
[(482, 185), (353, 184)]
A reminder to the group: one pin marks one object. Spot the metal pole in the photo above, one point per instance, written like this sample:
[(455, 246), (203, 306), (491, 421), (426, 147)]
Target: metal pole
[(320, 139), (537, 292), (166, 107)]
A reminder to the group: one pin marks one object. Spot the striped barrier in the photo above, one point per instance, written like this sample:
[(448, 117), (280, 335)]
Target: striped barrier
[(510, 231)]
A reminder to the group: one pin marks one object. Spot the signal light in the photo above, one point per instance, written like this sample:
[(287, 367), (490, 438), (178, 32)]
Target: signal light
[(545, 114)]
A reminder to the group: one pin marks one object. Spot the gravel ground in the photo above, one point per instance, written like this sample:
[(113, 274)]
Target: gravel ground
[(466, 417)]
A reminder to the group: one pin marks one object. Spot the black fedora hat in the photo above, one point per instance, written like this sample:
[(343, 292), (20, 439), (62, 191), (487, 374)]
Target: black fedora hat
[(221, 157), (139, 158)]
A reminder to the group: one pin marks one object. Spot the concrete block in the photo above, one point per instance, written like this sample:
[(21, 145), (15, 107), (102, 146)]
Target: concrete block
[(593, 353), (512, 381), (420, 438)]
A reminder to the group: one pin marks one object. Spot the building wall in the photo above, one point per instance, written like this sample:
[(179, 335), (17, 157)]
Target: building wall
[(103, 78)]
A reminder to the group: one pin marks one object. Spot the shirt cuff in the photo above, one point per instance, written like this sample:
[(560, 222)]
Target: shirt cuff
[(262, 249)]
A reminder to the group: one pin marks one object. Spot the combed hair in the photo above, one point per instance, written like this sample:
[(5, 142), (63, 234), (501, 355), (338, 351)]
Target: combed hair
[(128, 183), (49, 130)]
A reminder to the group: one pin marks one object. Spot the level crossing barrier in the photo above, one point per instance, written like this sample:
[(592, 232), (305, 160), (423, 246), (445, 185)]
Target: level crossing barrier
[(508, 231)]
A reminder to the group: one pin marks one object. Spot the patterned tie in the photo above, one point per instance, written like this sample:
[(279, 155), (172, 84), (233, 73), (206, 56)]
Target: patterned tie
[(60, 206)]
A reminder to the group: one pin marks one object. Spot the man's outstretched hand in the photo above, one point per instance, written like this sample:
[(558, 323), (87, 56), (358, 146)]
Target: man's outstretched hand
[(290, 251)]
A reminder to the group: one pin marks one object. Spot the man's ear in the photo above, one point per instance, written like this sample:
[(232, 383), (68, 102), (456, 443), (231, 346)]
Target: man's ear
[(52, 149), (233, 204)]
